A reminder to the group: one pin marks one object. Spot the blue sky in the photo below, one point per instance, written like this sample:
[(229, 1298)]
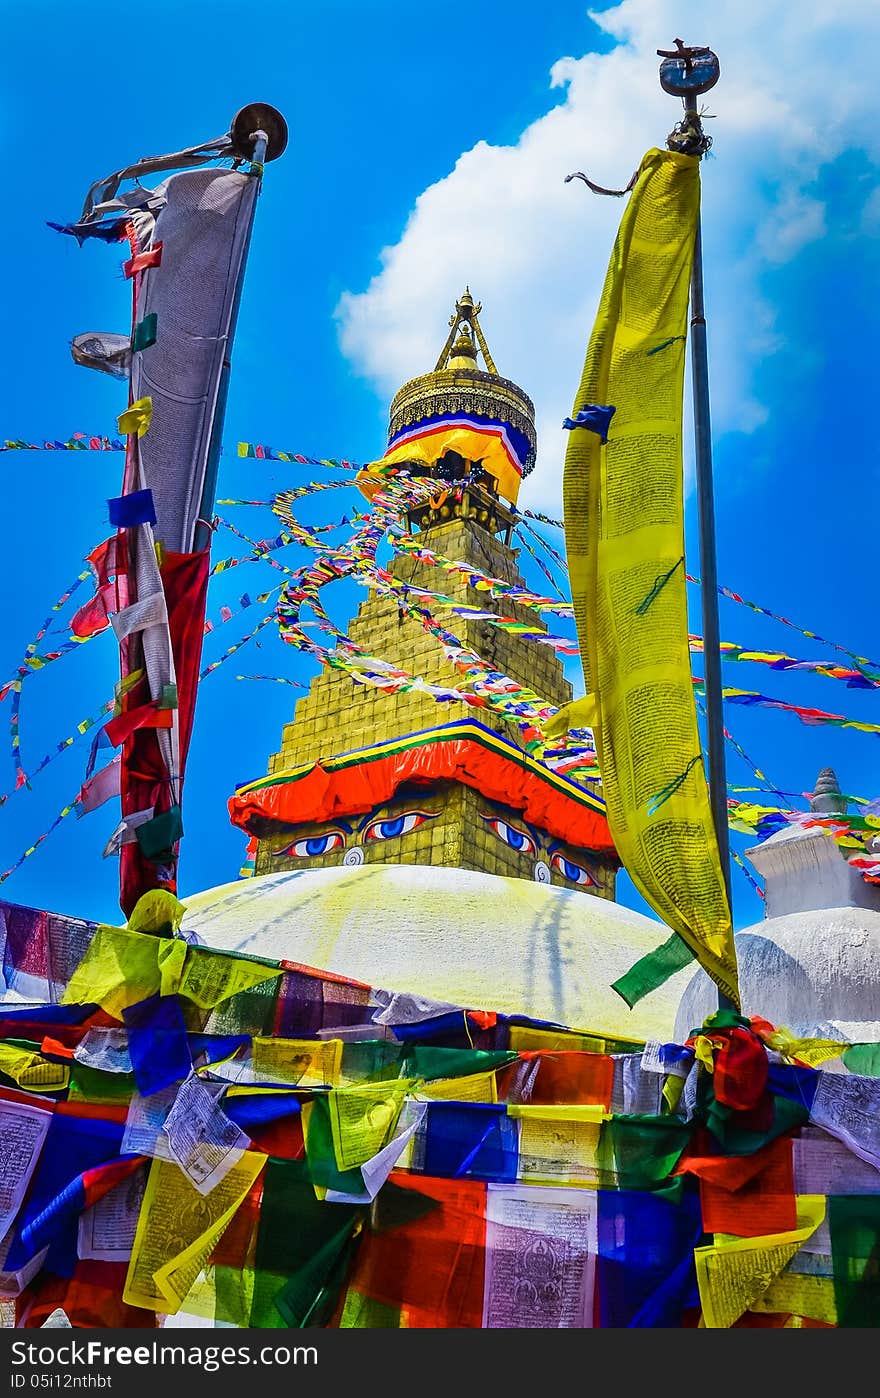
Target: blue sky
[(428, 148)]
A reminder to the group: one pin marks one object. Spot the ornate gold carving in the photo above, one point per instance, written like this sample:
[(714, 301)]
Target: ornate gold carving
[(465, 391)]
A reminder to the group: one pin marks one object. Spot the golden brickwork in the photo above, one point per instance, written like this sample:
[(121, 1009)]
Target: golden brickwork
[(338, 715), (483, 849)]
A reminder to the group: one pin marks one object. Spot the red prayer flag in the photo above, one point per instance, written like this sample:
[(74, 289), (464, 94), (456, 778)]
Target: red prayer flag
[(764, 1203), (147, 716), (432, 1266)]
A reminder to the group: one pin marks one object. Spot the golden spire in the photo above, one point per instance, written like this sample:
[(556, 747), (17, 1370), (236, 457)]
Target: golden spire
[(462, 354), (457, 388)]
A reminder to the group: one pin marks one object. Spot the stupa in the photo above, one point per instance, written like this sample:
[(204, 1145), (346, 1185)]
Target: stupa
[(414, 847), (813, 963), (361, 777)]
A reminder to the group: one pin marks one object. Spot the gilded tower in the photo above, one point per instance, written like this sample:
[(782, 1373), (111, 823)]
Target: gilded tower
[(450, 788)]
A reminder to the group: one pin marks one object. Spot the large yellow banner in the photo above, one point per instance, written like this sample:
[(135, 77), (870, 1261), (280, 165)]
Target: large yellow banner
[(624, 530)]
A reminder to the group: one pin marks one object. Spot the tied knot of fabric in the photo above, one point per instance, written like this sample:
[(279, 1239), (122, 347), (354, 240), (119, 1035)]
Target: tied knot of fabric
[(737, 1059)]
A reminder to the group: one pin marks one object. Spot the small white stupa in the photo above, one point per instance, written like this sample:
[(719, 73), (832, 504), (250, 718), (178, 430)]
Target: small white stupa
[(813, 964)]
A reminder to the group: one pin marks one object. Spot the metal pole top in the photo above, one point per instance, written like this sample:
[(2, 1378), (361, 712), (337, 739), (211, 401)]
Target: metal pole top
[(687, 72), (258, 116)]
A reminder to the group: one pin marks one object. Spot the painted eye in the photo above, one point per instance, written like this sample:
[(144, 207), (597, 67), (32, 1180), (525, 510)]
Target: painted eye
[(575, 873), (313, 845), (398, 825), (517, 839)]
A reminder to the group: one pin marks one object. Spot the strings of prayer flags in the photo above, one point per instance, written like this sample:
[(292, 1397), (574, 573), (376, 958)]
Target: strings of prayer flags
[(812, 635), (62, 815), (244, 601), (233, 649), (483, 687), (91, 796), (31, 661), (275, 679), (481, 582), (80, 441), (854, 678), (542, 565), (81, 728), (263, 453), (811, 717)]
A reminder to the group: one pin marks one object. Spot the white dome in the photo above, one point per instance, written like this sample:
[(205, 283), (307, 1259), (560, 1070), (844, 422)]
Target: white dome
[(815, 972), (454, 935)]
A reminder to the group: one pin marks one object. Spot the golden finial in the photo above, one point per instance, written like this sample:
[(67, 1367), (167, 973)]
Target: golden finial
[(458, 386), (463, 354), (465, 316)]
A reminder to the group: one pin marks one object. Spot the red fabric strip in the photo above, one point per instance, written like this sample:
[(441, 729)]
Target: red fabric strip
[(144, 778), (320, 795), (741, 1070), (434, 1265), (53, 1048), (147, 716), (763, 1204), (142, 260)]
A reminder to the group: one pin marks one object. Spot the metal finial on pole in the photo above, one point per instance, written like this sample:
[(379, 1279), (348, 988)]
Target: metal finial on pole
[(686, 73)]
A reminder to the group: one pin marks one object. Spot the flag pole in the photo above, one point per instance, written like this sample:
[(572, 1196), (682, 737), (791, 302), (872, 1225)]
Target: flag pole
[(260, 134), (686, 73)]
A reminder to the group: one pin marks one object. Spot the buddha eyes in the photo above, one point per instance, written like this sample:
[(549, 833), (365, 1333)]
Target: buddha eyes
[(517, 839), (575, 873), (390, 829), (313, 845)]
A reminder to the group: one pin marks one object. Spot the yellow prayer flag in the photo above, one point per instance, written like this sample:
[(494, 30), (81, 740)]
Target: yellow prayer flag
[(558, 1145), (122, 968), (733, 1275), (137, 418), (210, 977), (178, 1227), (624, 530), (31, 1070), (363, 1118), (799, 1295), (809, 1051), (475, 1087), (524, 1039), (300, 1062)]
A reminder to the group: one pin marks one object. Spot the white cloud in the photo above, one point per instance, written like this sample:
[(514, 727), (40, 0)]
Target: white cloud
[(798, 87)]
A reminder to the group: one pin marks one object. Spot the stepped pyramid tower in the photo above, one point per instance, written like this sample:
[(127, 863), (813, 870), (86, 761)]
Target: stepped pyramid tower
[(361, 776)]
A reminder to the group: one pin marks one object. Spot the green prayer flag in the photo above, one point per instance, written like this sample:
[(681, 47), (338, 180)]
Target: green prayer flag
[(653, 969), (156, 837), (426, 1062), (863, 1059), (144, 332), (854, 1223), (361, 1312), (640, 1152), (299, 1239), (370, 1060)]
